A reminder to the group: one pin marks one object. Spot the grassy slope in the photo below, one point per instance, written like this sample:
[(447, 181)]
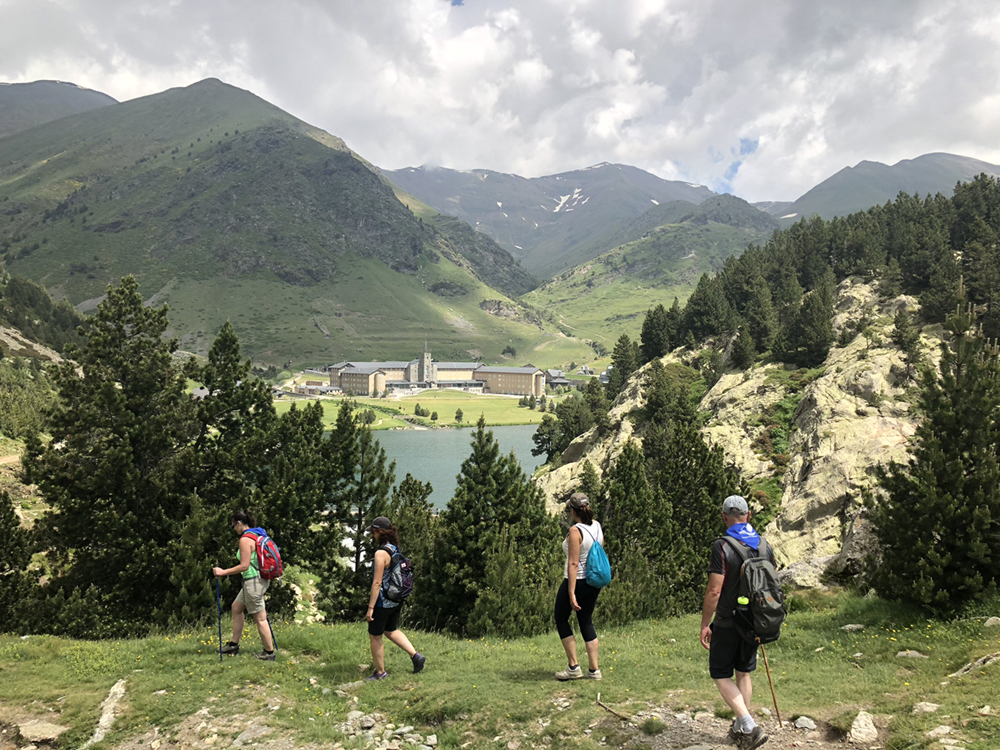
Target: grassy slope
[(24, 105), (474, 691), (226, 207), (609, 296)]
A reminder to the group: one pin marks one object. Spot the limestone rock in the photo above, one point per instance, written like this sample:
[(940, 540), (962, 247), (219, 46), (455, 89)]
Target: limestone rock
[(703, 716), (910, 654), (251, 733), (804, 722), (863, 731), (432, 740), (366, 722), (852, 628), (805, 574), (937, 732), (36, 731), (926, 708), (993, 622)]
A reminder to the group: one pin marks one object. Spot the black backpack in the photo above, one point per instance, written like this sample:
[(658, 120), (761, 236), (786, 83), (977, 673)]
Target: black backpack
[(397, 579), (760, 607)]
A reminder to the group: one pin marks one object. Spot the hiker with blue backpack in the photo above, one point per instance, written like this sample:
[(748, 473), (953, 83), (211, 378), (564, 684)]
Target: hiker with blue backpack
[(743, 609), (586, 572), (259, 564), (392, 582)]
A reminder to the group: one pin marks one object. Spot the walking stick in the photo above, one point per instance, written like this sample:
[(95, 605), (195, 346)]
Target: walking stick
[(771, 682), (273, 642), (218, 603)]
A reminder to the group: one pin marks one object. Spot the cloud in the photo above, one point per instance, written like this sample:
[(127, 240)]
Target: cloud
[(763, 99)]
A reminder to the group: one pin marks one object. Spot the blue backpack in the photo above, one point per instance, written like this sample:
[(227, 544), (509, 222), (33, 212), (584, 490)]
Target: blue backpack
[(598, 566)]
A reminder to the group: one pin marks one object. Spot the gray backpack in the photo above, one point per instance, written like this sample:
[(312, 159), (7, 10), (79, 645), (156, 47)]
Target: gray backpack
[(760, 607)]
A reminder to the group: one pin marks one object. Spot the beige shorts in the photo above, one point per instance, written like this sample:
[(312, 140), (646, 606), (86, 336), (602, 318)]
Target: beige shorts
[(251, 596)]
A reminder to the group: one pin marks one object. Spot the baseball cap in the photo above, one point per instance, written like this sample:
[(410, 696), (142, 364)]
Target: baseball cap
[(735, 505), (579, 500), (380, 523)]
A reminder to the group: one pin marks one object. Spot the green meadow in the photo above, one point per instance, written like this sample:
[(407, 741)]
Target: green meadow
[(478, 693)]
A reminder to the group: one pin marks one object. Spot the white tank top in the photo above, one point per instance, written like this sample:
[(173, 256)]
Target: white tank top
[(589, 533)]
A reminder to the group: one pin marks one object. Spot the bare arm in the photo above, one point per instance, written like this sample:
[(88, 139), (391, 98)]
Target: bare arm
[(246, 551), (712, 594), (381, 560), (573, 565)]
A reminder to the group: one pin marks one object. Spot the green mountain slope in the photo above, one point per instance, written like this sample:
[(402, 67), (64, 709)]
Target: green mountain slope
[(549, 223), (654, 263), (872, 183), (226, 207), (25, 105)]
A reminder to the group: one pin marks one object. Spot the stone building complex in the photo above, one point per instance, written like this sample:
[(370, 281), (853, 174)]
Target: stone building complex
[(373, 378)]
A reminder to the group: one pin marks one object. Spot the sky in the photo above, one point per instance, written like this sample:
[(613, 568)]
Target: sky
[(760, 99)]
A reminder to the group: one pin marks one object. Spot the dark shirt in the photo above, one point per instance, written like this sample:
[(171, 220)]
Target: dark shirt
[(726, 562)]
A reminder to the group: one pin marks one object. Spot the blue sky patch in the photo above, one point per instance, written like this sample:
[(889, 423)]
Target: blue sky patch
[(747, 146)]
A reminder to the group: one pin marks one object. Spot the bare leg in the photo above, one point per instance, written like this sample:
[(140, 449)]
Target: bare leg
[(732, 696), (264, 629), (238, 610), (745, 686), (569, 643), (378, 652), (400, 639), (592, 654)]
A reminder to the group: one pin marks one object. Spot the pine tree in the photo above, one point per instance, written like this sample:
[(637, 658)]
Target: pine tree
[(15, 554), (413, 515), (590, 483), (114, 471), (939, 520), (655, 335), (906, 336), (623, 363), (744, 349)]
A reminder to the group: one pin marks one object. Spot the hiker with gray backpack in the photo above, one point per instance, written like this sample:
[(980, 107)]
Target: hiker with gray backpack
[(392, 582), (743, 609)]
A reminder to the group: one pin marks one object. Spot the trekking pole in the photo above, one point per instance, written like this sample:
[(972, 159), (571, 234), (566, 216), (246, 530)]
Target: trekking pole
[(771, 682), (218, 603), (273, 641)]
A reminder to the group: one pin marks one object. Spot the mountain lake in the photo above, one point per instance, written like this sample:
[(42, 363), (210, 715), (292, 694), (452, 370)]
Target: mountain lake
[(436, 456)]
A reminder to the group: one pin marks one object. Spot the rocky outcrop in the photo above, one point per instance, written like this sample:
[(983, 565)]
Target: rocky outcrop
[(853, 416)]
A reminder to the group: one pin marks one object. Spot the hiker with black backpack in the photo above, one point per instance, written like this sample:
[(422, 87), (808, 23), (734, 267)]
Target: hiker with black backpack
[(257, 575), (745, 599), (392, 582)]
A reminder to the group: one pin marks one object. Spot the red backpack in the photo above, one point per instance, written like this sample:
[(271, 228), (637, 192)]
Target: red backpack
[(268, 556)]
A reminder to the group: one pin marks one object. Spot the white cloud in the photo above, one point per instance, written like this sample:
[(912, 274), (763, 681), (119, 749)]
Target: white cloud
[(678, 87)]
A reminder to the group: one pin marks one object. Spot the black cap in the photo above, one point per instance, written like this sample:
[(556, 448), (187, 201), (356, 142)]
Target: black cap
[(380, 523)]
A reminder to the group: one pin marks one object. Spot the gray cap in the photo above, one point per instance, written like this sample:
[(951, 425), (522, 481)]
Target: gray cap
[(735, 505), (380, 523)]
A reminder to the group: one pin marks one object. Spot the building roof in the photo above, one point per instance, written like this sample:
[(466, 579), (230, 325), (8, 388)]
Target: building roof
[(364, 368), (456, 365), (508, 370)]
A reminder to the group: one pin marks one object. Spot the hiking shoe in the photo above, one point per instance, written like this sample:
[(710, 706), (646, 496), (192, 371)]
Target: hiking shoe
[(593, 674), (418, 660), (265, 656), (376, 676), (734, 735), (751, 740), (230, 649), (570, 673)]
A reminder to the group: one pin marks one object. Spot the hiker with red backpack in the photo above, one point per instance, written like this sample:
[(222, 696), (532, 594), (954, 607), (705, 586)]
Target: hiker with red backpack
[(260, 563), (743, 609), (392, 582)]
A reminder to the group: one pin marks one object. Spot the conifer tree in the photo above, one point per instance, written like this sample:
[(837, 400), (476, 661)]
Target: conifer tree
[(655, 335), (412, 514), (590, 483), (939, 520), (624, 363), (906, 336), (15, 555), (115, 469), (744, 349)]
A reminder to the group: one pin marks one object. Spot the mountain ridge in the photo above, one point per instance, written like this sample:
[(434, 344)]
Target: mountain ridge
[(25, 105)]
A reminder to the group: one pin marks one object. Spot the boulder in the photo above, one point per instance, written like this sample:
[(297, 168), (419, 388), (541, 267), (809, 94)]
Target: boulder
[(805, 574), (36, 731), (852, 628), (938, 732), (993, 622), (863, 731), (910, 654), (926, 708), (804, 722)]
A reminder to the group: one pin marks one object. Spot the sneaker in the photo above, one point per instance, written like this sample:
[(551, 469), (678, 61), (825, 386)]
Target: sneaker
[(376, 676), (418, 660), (734, 735), (593, 674), (751, 740), (230, 649), (265, 656), (570, 673)]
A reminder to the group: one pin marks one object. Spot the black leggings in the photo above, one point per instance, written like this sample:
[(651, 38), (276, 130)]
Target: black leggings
[(586, 597)]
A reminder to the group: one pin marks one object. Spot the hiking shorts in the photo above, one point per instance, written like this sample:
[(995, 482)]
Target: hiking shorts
[(729, 651), (384, 620), (251, 596)]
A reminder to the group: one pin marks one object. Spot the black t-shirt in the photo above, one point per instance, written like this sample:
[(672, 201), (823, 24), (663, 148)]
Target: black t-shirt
[(726, 562)]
